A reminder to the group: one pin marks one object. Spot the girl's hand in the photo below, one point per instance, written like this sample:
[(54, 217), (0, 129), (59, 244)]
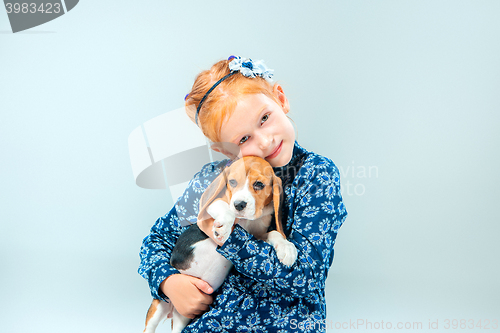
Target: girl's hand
[(189, 295)]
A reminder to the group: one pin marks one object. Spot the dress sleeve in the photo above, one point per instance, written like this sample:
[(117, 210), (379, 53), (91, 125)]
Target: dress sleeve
[(157, 247), (156, 251), (318, 213)]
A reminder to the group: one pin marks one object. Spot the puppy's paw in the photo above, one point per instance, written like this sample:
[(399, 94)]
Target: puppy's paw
[(222, 231), (223, 226), (286, 252)]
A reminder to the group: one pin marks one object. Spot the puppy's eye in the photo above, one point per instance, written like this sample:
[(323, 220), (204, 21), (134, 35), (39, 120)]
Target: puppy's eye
[(233, 182), (258, 185)]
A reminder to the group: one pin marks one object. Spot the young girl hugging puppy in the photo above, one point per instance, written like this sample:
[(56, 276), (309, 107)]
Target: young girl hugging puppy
[(235, 104)]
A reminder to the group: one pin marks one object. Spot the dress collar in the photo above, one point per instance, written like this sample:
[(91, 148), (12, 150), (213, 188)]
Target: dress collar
[(288, 172), (297, 155)]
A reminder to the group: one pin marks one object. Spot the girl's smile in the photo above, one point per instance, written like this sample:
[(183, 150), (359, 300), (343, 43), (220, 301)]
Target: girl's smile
[(259, 127), (276, 151)]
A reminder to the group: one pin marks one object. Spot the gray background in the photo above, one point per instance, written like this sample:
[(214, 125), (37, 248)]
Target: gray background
[(409, 88)]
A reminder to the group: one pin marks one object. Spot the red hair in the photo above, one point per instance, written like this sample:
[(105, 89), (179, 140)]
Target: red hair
[(221, 102)]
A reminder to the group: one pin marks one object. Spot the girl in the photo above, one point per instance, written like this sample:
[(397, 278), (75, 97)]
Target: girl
[(234, 103)]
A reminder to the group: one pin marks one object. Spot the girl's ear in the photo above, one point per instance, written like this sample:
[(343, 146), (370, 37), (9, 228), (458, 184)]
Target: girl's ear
[(278, 91)]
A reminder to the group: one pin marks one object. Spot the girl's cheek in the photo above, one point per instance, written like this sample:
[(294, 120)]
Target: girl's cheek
[(244, 151), (248, 151)]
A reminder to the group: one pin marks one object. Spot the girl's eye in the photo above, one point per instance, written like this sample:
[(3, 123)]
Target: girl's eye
[(264, 118), (245, 138)]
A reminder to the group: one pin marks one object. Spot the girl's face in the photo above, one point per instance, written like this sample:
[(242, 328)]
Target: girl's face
[(259, 127)]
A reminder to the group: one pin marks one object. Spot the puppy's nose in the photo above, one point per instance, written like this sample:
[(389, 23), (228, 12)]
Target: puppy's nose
[(240, 205)]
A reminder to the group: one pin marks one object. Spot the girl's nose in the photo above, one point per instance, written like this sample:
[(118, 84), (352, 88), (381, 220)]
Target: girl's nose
[(265, 141)]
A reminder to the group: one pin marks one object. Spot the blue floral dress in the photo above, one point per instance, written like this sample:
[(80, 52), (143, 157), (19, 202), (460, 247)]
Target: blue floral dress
[(260, 294)]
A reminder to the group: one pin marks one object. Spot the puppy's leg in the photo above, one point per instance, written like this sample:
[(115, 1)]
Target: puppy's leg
[(179, 322), (285, 250), (157, 312), (224, 219)]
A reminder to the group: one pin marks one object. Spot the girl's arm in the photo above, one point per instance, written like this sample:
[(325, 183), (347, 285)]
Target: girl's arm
[(156, 251), (318, 212)]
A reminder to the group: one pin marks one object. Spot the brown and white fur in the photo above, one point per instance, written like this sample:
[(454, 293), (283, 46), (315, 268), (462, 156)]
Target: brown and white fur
[(248, 193)]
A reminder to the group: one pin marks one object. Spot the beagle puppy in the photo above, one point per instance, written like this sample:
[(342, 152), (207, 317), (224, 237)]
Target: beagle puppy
[(246, 192)]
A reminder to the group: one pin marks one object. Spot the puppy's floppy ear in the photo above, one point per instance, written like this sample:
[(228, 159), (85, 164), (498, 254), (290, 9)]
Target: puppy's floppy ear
[(277, 190), (214, 190)]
